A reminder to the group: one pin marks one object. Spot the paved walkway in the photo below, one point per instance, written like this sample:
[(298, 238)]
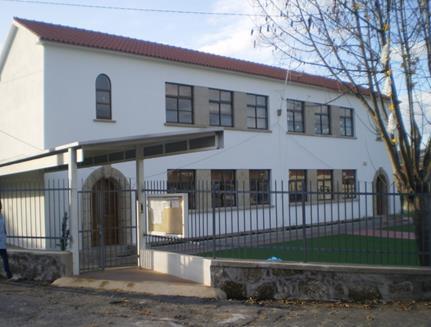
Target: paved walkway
[(258, 238), (385, 234), (134, 274), (142, 281)]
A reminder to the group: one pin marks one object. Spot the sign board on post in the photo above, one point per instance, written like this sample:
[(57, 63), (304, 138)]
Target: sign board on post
[(167, 214)]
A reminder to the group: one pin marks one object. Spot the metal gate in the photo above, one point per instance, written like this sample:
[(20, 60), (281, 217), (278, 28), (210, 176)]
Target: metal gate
[(107, 232)]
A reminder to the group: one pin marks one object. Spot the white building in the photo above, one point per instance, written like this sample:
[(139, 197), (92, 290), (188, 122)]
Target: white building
[(60, 85)]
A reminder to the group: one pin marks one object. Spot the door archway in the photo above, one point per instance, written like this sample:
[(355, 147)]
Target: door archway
[(105, 215), (381, 189), (107, 221)]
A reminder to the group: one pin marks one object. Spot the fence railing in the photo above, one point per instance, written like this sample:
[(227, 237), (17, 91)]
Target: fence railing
[(366, 224), (363, 225), (107, 227), (36, 214)]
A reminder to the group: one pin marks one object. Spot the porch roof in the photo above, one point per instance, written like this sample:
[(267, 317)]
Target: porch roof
[(114, 150)]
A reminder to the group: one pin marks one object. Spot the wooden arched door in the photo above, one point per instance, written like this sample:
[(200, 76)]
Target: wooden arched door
[(381, 196), (105, 220)]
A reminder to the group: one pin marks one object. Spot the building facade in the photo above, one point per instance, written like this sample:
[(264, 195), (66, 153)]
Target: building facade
[(60, 85)]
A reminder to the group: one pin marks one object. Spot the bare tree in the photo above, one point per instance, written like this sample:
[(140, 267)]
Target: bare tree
[(380, 52)]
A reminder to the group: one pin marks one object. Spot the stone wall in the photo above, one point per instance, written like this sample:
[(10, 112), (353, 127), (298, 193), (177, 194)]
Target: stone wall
[(39, 265), (263, 280)]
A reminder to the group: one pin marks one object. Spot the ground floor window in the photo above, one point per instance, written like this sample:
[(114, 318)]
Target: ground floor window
[(259, 186), (183, 181), (324, 185), (297, 185), (349, 184), (224, 186)]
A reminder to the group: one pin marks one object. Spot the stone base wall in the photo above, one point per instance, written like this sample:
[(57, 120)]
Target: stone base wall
[(262, 280), (39, 265)]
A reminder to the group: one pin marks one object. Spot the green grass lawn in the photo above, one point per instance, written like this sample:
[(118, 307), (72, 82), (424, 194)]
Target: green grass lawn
[(402, 228), (333, 249)]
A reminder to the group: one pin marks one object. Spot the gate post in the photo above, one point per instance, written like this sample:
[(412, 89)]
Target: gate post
[(72, 173), (140, 206), (304, 221)]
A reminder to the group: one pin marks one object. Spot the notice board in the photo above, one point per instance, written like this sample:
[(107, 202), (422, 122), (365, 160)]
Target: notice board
[(166, 214)]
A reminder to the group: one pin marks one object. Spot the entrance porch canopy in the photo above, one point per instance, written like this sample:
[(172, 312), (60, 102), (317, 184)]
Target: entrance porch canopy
[(108, 151), (115, 150)]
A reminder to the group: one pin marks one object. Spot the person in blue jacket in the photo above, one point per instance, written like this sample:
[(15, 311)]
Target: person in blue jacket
[(3, 251)]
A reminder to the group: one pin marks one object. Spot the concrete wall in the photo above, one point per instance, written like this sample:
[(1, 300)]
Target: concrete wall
[(138, 107), (48, 99), (241, 279), (21, 96), (261, 280), (184, 266), (40, 265)]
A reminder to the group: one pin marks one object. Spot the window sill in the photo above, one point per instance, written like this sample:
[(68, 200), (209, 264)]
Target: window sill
[(323, 202), (346, 137), (236, 208), (252, 130), (227, 128), (185, 125), (104, 121), (325, 136)]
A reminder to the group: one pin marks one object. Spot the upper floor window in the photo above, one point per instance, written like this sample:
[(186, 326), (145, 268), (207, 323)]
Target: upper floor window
[(349, 184), (297, 185), (259, 186), (295, 116), (224, 186), (183, 181), (257, 111), (324, 185), (179, 103), (322, 120), (103, 97), (346, 121), (221, 113)]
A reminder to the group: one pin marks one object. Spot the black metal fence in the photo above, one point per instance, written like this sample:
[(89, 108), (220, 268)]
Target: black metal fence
[(362, 225), (36, 214), (107, 226), (37, 217)]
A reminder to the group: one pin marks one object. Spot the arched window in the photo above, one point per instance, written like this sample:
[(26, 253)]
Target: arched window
[(103, 97)]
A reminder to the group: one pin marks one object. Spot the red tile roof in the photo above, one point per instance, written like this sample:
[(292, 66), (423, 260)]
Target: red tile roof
[(91, 39)]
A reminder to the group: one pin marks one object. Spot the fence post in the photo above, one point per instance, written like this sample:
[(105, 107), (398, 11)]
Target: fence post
[(140, 207), (304, 232), (212, 190), (73, 208)]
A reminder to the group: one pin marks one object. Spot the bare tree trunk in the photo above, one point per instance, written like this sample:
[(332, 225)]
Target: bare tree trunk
[(380, 52), (420, 204)]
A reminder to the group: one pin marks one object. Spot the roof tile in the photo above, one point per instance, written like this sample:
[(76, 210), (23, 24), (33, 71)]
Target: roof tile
[(98, 40)]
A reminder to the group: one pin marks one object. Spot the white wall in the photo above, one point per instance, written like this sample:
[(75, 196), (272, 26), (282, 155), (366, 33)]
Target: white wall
[(25, 211), (21, 97), (139, 108), (184, 266)]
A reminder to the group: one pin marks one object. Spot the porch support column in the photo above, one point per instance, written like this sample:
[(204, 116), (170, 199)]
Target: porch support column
[(140, 206), (72, 174)]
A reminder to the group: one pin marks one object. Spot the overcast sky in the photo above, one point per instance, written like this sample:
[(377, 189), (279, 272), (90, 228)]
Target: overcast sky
[(228, 36)]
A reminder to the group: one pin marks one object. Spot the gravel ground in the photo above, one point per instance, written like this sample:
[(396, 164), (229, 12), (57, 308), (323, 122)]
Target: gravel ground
[(30, 304)]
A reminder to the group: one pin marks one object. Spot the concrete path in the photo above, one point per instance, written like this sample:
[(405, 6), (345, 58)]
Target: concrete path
[(143, 281), (385, 234)]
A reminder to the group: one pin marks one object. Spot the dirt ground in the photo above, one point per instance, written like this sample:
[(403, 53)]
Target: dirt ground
[(30, 304)]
